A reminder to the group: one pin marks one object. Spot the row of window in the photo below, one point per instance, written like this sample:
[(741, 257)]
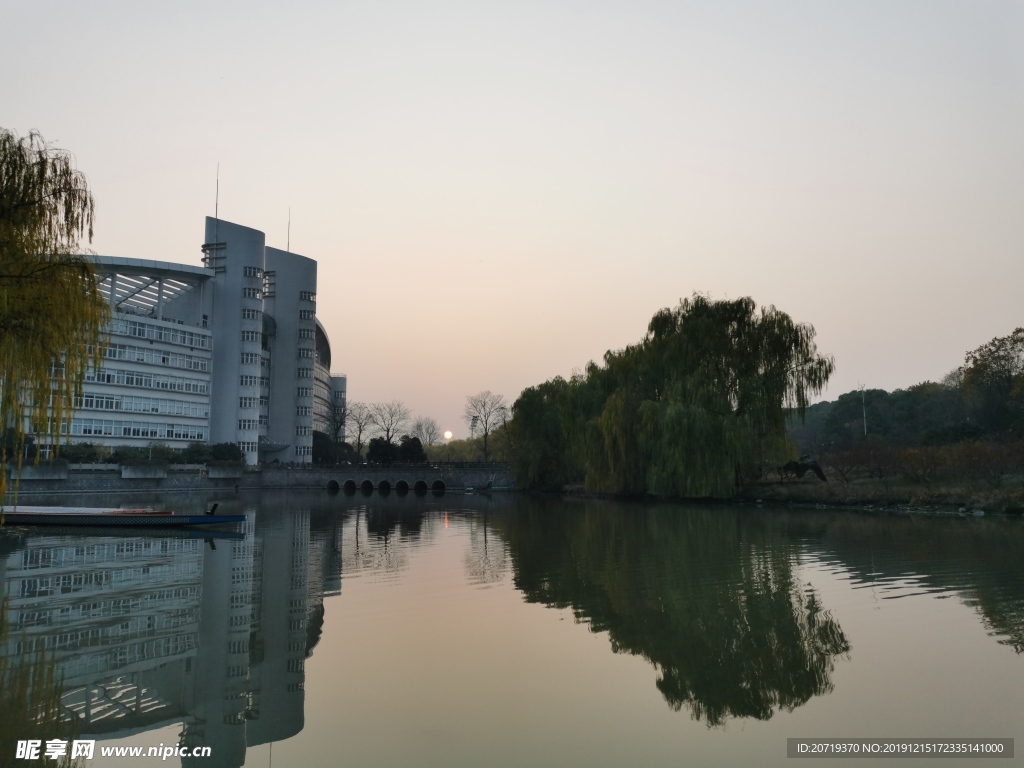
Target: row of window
[(306, 333), (252, 293), (252, 336), (254, 381), (251, 314), (157, 357), (306, 352), (255, 358), (109, 428), (304, 373), (253, 402), (303, 450), (252, 272), (143, 330), (249, 424), (148, 381), (303, 431), (248, 447), (303, 410), (101, 402), (307, 314), (307, 296), (304, 392)]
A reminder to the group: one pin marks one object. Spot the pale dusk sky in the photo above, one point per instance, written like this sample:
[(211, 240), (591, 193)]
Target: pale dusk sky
[(498, 192)]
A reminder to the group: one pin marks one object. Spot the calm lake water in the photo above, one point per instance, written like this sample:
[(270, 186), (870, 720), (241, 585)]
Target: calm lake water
[(507, 631)]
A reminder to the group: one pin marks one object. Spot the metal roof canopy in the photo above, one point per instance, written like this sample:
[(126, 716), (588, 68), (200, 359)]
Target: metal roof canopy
[(139, 286)]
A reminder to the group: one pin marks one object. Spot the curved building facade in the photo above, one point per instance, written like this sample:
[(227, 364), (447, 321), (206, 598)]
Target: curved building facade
[(230, 352)]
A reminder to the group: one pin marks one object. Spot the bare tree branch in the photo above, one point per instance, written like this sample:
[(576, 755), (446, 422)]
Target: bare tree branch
[(389, 418), (485, 411)]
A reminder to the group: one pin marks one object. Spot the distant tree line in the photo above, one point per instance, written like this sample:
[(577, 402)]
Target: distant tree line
[(967, 429), (982, 400), (389, 434)]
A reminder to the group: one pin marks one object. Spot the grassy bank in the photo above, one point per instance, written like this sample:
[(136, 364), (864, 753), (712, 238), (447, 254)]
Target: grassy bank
[(1005, 497)]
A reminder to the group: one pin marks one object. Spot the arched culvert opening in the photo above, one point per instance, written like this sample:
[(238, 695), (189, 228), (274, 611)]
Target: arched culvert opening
[(438, 486), (333, 487), (366, 486), (421, 486), (384, 486), (350, 486), (402, 487)]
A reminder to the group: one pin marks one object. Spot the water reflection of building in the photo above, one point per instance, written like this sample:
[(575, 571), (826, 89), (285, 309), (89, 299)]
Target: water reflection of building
[(152, 631)]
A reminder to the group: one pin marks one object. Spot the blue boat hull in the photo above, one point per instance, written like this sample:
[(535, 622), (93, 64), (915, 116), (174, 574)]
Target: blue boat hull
[(122, 521)]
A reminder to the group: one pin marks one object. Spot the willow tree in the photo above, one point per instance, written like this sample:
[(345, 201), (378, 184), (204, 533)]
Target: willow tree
[(695, 409), (729, 374), (51, 310)]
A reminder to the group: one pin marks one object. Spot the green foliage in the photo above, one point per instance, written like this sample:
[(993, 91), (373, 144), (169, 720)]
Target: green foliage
[(51, 310), (156, 453), (226, 452), (323, 448), (82, 453), (17, 444), (380, 451), (410, 450), (695, 409), (455, 450), (993, 384), (196, 453), (981, 400)]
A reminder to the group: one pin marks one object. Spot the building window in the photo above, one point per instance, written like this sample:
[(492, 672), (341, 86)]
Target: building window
[(160, 431), (251, 314), (303, 431), (247, 402), (252, 272), (143, 330), (304, 352), (303, 410), (153, 356), (252, 293), (306, 333), (252, 336), (250, 358), (307, 314), (307, 296), (304, 392), (303, 450), (305, 373), (249, 447), (147, 380), (247, 424)]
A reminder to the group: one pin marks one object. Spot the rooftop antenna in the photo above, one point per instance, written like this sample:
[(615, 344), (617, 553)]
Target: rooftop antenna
[(216, 209)]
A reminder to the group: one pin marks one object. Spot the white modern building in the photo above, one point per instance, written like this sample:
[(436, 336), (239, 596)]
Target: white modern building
[(230, 352)]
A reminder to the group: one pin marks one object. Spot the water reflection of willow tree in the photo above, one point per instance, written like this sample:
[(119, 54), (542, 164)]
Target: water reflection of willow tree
[(30, 699), (708, 597)]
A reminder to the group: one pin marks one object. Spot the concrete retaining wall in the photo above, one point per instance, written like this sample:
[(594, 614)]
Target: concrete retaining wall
[(174, 479)]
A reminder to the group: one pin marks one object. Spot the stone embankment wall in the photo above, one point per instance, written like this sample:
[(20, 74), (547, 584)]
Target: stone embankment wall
[(112, 479)]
